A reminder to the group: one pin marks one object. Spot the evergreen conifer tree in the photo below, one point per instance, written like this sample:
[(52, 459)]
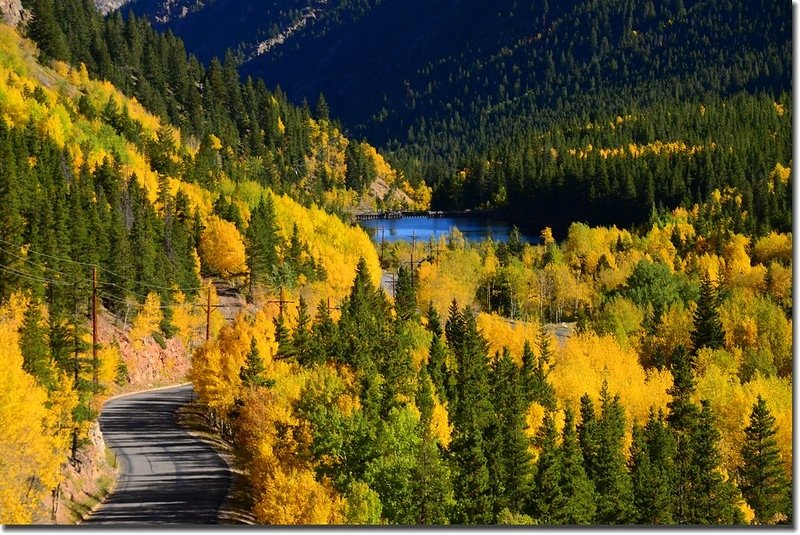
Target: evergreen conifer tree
[(262, 242), (431, 485), (611, 477), (471, 414), (682, 418), (434, 321), (652, 466), (508, 452), (283, 338), (251, 372), (707, 325), (546, 493), (588, 435), (761, 476), (404, 298), (47, 33), (324, 343), (301, 338), (577, 505), (34, 346), (711, 498), (437, 367)]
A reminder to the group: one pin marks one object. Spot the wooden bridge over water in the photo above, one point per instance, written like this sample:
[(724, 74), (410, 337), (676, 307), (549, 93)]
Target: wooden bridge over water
[(363, 216)]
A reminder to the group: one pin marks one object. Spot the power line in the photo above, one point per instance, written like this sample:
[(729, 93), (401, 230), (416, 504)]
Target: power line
[(87, 264), (9, 269), (134, 304), (126, 290), (35, 264), (49, 256)]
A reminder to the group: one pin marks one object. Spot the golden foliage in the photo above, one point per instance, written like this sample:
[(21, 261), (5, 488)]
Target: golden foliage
[(440, 426), (782, 173), (773, 247), (147, 320), (327, 158), (284, 487), (586, 360), (732, 403), (31, 454), (109, 358), (216, 365), (501, 332), (222, 248), (585, 246), (186, 318), (455, 276)]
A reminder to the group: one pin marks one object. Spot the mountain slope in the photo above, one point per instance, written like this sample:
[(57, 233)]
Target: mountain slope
[(470, 70), (83, 186)]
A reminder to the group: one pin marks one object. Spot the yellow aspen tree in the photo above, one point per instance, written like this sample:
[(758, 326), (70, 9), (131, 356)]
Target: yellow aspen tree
[(147, 320), (222, 248), (30, 456)]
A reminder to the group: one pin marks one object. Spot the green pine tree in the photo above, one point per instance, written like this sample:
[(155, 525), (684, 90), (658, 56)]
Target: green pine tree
[(652, 467), (588, 435), (432, 485), (510, 462), (405, 300), (577, 505), (546, 493), (611, 477), (761, 477), (434, 321), (262, 242), (682, 418), (323, 342), (437, 367), (301, 338), (471, 414), (34, 343), (45, 30), (251, 372), (283, 338), (707, 325), (516, 245), (711, 499)]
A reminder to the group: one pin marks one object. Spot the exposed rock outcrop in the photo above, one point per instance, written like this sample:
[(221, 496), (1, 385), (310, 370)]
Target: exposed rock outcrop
[(13, 12)]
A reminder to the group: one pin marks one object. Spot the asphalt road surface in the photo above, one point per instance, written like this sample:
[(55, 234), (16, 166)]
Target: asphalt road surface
[(168, 476)]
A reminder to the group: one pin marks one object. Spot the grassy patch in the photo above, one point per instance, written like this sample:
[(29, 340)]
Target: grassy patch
[(79, 509)]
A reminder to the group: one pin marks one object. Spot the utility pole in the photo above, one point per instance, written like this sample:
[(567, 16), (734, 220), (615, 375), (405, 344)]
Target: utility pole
[(281, 302), (94, 325), (208, 308), (332, 308), (208, 313), (383, 242), (411, 262)]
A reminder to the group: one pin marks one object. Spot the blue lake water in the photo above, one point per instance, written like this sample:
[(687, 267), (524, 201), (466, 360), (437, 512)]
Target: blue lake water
[(474, 228)]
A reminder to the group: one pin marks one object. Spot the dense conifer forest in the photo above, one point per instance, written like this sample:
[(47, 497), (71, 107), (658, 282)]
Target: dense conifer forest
[(632, 366)]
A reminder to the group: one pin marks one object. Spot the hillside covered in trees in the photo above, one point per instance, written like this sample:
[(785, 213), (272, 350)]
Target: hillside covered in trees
[(671, 404), (91, 180), (469, 95), (445, 399)]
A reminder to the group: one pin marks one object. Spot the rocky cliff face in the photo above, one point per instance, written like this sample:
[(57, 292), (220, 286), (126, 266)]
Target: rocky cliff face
[(107, 6), (13, 12)]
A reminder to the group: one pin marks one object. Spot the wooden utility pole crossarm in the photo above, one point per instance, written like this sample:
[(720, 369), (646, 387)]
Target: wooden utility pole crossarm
[(281, 302)]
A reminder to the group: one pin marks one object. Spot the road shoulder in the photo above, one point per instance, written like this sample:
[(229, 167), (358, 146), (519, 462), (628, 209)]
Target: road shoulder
[(237, 504)]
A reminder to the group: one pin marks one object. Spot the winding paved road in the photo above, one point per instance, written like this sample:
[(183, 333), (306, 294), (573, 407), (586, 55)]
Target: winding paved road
[(168, 476)]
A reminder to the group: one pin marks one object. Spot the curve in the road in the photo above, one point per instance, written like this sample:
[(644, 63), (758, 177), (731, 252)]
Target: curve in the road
[(168, 476)]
